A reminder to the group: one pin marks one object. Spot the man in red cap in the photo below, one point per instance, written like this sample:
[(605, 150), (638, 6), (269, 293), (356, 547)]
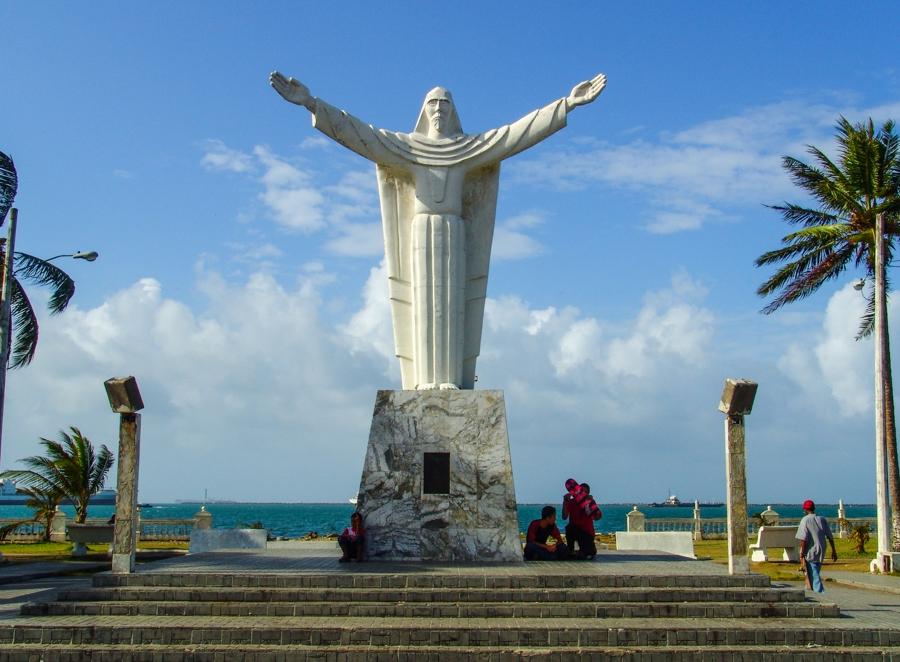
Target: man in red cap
[(812, 533)]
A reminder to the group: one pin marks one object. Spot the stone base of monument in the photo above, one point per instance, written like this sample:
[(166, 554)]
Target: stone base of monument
[(437, 484)]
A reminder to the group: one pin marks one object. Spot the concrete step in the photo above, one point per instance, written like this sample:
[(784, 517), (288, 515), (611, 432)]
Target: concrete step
[(502, 609), (466, 632), (428, 653), (364, 580), (344, 595)]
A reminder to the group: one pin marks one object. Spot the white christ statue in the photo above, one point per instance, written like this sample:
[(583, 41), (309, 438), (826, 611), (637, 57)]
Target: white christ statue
[(438, 190)]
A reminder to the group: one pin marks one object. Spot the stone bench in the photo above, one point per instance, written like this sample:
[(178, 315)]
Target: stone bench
[(776, 537), (82, 534)]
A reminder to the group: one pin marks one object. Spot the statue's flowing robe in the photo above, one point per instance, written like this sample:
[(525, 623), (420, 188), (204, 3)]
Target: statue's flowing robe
[(437, 263)]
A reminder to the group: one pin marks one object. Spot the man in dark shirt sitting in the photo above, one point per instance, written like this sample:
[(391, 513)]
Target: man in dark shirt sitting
[(539, 532)]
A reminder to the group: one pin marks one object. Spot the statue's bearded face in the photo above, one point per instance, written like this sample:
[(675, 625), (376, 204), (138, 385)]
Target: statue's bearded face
[(438, 109)]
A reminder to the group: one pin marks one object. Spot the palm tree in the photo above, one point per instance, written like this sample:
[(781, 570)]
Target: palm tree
[(70, 469), (31, 269), (850, 193), (44, 505)]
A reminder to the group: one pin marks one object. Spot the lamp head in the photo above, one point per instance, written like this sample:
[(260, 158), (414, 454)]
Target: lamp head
[(124, 396), (737, 397), (90, 256)]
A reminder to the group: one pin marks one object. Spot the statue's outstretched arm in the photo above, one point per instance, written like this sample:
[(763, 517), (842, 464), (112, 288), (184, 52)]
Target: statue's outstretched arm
[(539, 124), (586, 92), (293, 90), (349, 131)]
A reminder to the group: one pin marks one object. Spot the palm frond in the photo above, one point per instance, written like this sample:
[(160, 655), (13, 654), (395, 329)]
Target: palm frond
[(9, 184), (867, 321), (44, 274), (807, 282), (25, 327), (795, 214)]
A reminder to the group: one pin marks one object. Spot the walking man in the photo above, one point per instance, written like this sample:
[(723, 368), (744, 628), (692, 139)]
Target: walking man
[(812, 533)]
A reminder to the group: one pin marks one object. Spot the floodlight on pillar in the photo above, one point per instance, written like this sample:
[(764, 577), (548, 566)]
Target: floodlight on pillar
[(737, 397), (124, 396)]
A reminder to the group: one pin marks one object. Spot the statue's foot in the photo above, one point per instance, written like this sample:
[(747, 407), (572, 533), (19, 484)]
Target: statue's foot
[(449, 387), (426, 387)]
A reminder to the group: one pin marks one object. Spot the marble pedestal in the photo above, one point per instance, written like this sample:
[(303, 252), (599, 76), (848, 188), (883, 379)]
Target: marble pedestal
[(474, 517)]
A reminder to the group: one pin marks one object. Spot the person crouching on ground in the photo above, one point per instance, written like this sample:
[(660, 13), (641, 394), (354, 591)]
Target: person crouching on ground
[(543, 542), (582, 511), (812, 533), (352, 539)]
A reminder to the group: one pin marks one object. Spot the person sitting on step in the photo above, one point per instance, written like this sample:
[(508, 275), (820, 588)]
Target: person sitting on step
[(352, 539), (543, 541)]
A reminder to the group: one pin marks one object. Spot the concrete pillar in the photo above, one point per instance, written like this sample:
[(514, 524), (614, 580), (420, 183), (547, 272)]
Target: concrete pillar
[(58, 526), (769, 516), (736, 402), (736, 495), (125, 537), (843, 524), (698, 523), (635, 520), (203, 519)]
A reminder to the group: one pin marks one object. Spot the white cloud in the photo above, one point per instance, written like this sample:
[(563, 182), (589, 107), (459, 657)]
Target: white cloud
[(256, 394), (297, 200), (121, 173), (699, 174), (218, 156), (510, 240), (832, 365), (288, 192), (358, 240)]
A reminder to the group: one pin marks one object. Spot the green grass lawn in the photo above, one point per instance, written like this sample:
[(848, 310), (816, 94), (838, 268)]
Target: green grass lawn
[(848, 559), (63, 550)]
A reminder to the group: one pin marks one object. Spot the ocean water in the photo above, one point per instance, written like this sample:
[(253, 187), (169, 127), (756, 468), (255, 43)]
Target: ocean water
[(298, 519)]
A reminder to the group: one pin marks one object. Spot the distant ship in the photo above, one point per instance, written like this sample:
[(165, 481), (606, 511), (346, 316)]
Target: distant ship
[(353, 500), (10, 495), (673, 501)]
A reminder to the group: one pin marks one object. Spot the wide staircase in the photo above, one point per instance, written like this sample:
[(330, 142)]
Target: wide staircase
[(423, 615)]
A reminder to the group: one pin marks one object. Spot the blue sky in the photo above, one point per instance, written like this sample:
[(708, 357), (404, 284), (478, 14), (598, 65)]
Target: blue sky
[(240, 275)]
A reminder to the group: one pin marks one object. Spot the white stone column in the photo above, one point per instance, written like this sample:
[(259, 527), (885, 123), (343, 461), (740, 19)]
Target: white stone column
[(635, 520), (698, 523), (58, 526)]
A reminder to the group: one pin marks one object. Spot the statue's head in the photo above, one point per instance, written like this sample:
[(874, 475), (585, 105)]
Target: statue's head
[(438, 118)]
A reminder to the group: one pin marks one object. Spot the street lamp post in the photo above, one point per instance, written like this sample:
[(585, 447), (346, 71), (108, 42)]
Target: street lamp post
[(5, 311)]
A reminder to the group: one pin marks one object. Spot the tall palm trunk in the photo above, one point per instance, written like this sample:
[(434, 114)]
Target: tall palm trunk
[(886, 387), (890, 440), (893, 470)]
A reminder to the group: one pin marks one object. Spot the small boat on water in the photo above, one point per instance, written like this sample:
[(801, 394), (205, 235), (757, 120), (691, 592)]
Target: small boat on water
[(673, 501), (353, 500)]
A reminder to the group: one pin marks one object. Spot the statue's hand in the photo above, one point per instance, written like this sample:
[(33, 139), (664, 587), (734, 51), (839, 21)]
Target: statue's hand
[(587, 91), (292, 90)]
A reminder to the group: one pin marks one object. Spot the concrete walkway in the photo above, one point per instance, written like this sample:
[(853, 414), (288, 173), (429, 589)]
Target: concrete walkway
[(16, 572), (885, 583)]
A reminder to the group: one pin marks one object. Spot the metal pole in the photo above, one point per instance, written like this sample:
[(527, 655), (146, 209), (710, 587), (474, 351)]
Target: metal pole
[(883, 558), (5, 301)]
